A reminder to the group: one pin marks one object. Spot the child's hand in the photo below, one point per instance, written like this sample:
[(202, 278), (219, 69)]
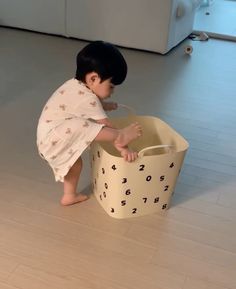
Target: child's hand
[(129, 155), (108, 106)]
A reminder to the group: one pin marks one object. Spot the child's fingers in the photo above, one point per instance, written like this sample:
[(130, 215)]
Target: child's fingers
[(113, 105), (134, 156), (131, 156)]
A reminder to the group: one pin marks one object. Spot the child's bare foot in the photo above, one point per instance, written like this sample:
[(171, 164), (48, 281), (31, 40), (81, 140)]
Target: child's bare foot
[(128, 134), (71, 199)]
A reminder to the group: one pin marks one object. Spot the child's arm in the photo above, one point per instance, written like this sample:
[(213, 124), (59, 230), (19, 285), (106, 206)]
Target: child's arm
[(106, 122), (128, 154), (109, 105)]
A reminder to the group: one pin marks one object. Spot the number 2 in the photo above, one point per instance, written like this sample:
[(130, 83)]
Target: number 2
[(141, 167)]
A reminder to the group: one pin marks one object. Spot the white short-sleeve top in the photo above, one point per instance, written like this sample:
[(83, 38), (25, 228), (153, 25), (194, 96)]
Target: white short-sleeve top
[(67, 125)]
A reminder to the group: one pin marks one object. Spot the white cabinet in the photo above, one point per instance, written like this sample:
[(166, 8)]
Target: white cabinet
[(37, 15), (154, 25)]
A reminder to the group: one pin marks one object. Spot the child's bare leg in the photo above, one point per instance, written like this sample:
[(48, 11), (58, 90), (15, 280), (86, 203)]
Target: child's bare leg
[(70, 196)]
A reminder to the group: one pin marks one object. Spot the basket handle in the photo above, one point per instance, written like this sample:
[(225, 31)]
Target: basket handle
[(129, 109), (141, 153)]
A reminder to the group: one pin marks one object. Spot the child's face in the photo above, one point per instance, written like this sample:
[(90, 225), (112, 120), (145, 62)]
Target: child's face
[(102, 89)]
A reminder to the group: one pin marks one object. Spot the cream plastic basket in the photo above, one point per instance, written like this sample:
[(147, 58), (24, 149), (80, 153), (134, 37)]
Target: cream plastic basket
[(145, 186)]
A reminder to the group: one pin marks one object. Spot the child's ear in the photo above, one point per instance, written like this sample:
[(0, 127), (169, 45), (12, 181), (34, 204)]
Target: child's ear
[(92, 78)]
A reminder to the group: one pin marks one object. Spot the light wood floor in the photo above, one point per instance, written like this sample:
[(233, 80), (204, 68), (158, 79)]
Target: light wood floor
[(192, 246)]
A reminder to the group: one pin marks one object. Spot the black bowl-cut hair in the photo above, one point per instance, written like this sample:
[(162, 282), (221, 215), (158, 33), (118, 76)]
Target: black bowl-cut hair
[(103, 58)]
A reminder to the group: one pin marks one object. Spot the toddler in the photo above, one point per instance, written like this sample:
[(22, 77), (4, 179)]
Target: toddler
[(74, 116)]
